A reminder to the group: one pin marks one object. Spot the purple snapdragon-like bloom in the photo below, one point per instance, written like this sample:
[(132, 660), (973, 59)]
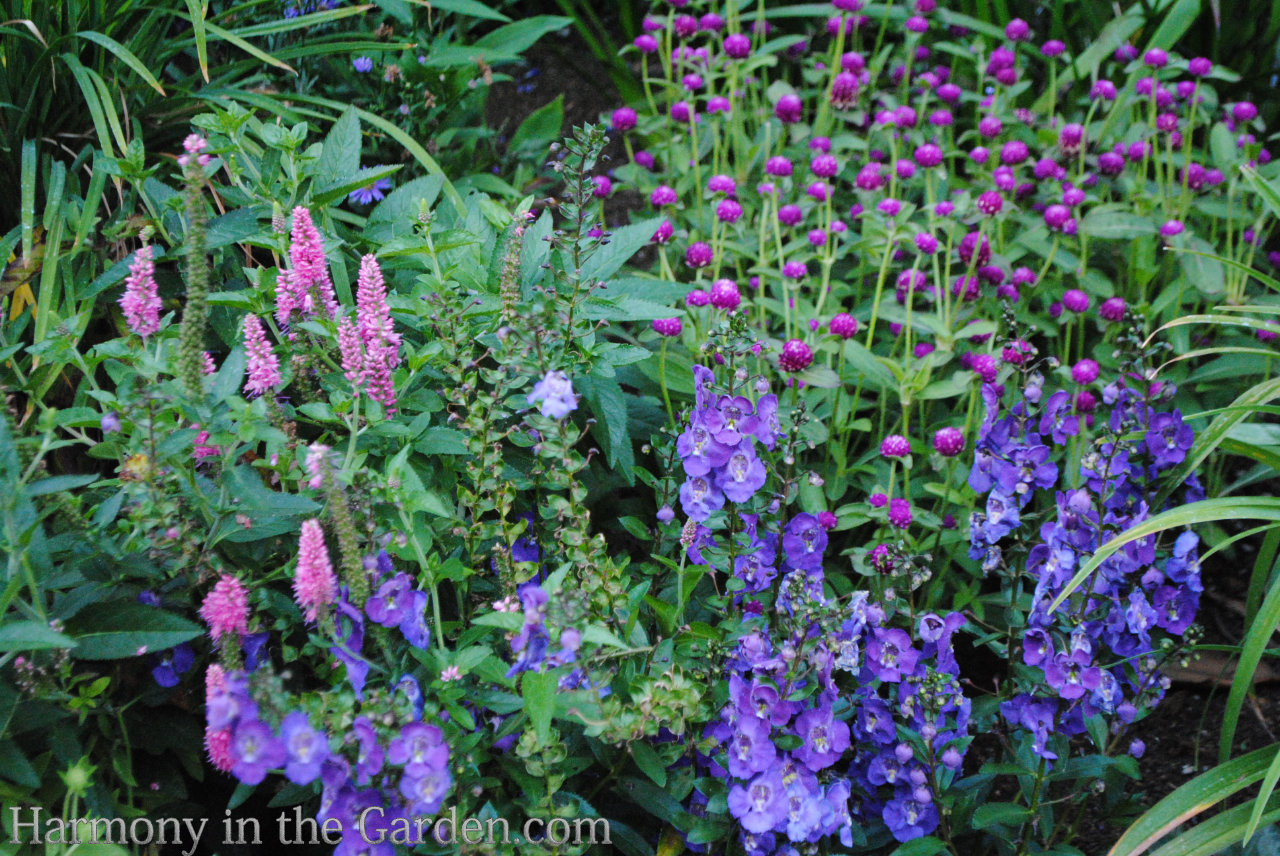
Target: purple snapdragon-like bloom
[(307, 749), (761, 804), (554, 395), (825, 738), (255, 750)]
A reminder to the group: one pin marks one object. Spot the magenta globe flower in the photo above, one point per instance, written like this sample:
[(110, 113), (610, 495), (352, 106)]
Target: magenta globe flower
[(667, 326), (796, 356), (948, 442)]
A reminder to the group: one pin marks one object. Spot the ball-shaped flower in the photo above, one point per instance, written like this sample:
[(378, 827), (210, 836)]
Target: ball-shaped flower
[(796, 356), (667, 326), (1085, 371), (725, 294), (895, 446), (843, 325), (1075, 300), (948, 442), (699, 255)]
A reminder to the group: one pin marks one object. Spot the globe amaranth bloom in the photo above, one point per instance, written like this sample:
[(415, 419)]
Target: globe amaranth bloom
[(554, 395), (795, 356)]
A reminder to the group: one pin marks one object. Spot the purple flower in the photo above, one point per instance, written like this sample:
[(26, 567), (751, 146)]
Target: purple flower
[(554, 395), (761, 804), (699, 498), (425, 793), (803, 542), (255, 750), (369, 754), (419, 748), (751, 750), (362, 64), (171, 664), (375, 191), (907, 818), (890, 655), (306, 747), (743, 474), (699, 448), (389, 606), (1169, 439), (825, 738)]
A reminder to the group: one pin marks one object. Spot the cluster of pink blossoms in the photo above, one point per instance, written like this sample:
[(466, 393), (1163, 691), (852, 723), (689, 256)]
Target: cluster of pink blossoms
[(306, 283), (141, 302), (370, 347), (314, 583), (263, 365)]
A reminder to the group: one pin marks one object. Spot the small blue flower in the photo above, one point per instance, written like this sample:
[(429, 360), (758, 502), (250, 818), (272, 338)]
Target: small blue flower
[(362, 64), (373, 192), (171, 664)]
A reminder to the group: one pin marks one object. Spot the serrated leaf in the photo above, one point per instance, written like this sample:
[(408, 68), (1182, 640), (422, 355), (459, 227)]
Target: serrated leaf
[(541, 128), (29, 635), (649, 762), (340, 155), (623, 244), (609, 406), (1115, 225), (538, 690), (118, 629)]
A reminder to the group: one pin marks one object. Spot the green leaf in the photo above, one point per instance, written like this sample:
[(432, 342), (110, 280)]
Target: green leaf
[(541, 129), (1175, 24), (1264, 188), (1116, 225), (1263, 798), (118, 629), (609, 406), (538, 689), (469, 7), (866, 367), (59, 484), (340, 157), (125, 55), (999, 814), (1251, 650), (1202, 269), (28, 635), (198, 12), (15, 767), (623, 244), (519, 37), (1193, 798), (649, 762), (926, 846)]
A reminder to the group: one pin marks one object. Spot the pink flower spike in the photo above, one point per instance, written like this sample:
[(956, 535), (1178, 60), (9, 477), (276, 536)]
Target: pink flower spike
[(226, 608), (264, 366), (377, 335), (314, 584), (307, 280), (141, 302), (317, 458)]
